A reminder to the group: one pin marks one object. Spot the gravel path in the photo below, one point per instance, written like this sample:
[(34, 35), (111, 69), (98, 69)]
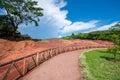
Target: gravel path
[(61, 67)]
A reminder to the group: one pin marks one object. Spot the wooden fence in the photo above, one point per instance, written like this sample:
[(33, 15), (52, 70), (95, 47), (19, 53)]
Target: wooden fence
[(15, 69)]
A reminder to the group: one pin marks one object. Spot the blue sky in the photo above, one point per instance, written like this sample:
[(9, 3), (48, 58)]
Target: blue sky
[(64, 17), (85, 10)]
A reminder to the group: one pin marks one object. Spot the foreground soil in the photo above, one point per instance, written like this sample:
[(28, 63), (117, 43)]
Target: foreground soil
[(11, 50), (61, 67)]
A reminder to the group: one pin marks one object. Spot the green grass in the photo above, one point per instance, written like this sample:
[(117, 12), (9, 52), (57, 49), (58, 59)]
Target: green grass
[(96, 67)]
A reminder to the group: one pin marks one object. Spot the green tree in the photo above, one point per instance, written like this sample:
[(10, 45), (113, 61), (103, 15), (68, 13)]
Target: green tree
[(6, 29), (20, 11), (116, 39), (116, 49), (116, 36), (72, 35)]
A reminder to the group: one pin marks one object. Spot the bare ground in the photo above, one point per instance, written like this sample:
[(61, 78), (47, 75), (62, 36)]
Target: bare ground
[(61, 67), (11, 50)]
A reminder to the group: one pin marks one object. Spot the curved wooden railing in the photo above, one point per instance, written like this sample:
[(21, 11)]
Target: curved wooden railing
[(18, 68)]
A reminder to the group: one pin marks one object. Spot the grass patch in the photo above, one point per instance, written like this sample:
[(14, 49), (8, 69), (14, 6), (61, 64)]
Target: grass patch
[(97, 67)]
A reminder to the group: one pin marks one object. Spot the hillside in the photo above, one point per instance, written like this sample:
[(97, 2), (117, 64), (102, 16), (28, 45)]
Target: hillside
[(10, 50)]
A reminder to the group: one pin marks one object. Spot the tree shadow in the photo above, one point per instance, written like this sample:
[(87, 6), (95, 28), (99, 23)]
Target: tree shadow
[(110, 59)]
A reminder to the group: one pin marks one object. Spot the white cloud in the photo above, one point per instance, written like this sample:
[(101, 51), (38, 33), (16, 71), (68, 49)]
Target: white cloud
[(101, 28), (59, 36), (53, 20), (106, 27), (53, 15), (76, 26)]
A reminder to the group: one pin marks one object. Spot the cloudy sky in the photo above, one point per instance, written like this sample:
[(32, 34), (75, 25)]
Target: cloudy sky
[(64, 17)]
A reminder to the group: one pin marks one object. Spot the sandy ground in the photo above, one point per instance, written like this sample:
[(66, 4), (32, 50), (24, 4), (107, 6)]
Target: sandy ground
[(61, 67)]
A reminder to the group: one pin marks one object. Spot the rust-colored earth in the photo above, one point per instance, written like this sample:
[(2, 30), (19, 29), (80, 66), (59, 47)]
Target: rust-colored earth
[(11, 50)]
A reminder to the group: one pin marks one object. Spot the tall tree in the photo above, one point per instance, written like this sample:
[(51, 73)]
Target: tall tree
[(116, 39), (19, 11)]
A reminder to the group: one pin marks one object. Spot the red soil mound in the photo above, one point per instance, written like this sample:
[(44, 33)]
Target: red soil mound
[(10, 50)]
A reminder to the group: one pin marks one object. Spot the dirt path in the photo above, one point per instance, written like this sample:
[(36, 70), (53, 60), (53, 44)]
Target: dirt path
[(61, 67)]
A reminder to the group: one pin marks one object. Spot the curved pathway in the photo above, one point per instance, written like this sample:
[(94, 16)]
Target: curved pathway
[(61, 67)]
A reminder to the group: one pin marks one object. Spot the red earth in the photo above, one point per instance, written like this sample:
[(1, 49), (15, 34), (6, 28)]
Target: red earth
[(11, 50)]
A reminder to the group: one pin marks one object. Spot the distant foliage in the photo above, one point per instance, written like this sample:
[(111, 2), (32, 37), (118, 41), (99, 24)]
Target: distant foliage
[(6, 31), (25, 36), (110, 35)]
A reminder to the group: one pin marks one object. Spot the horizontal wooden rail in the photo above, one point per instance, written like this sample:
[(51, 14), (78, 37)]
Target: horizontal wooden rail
[(17, 68)]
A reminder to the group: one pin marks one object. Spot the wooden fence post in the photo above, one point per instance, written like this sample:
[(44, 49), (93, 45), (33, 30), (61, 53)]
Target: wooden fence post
[(24, 66), (37, 59)]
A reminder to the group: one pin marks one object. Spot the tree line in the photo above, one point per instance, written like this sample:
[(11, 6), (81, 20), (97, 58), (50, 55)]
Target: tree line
[(110, 35)]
